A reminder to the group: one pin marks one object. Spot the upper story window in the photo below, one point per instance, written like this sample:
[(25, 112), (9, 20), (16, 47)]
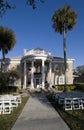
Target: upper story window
[(38, 69), (56, 67), (45, 68)]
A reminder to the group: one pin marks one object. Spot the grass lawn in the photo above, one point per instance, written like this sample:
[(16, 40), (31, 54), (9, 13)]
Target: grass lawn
[(7, 121), (74, 118)]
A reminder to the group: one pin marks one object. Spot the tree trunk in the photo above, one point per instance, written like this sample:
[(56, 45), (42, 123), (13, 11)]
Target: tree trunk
[(3, 61), (64, 48)]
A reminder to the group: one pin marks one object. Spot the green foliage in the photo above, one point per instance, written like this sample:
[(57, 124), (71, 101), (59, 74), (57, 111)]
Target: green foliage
[(68, 87), (75, 86), (4, 6), (79, 86), (71, 87), (79, 70), (7, 39), (7, 78), (64, 19), (61, 87), (13, 74), (3, 81), (33, 3), (7, 42)]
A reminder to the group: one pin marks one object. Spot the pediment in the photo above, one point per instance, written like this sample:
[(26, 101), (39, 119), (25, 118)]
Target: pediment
[(37, 52)]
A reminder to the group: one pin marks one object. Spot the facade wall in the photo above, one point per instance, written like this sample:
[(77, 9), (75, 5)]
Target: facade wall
[(51, 71), (59, 72), (70, 73)]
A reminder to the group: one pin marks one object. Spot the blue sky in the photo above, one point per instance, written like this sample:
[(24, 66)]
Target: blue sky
[(33, 28)]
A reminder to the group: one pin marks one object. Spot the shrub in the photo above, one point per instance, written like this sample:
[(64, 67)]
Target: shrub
[(71, 87), (68, 87), (61, 87), (79, 86), (3, 82), (7, 80)]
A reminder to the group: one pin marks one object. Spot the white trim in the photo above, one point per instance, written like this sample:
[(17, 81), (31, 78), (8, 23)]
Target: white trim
[(32, 74), (43, 73), (24, 85), (50, 73), (59, 80), (56, 79)]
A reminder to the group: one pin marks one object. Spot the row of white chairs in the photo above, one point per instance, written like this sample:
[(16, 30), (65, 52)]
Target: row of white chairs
[(69, 103), (73, 103), (8, 102)]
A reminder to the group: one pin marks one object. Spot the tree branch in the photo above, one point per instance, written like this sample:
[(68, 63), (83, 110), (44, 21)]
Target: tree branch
[(4, 6)]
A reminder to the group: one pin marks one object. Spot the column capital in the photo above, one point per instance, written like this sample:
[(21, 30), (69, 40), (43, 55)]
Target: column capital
[(43, 59)]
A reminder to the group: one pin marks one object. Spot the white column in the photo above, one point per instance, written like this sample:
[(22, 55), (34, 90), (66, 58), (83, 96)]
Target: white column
[(43, 74), (50, 74), (24, 85), (32, 74)]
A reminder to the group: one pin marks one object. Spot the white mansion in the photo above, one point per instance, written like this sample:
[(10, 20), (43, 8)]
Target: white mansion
[(38, 68)]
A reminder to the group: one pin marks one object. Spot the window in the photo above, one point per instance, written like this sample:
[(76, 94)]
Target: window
[(61, 80), (67, 67), (45, 68), (56, 67), (38, 69)]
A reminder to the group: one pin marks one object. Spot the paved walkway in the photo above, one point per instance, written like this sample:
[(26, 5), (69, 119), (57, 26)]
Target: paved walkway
[(38, 114)]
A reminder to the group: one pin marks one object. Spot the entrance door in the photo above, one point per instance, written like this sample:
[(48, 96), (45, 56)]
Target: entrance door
[(37, 82)]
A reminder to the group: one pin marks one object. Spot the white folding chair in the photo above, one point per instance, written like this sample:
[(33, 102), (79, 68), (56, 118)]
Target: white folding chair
[(56, 97), (82, 102), (68, 104), (53, 95), (14, 102), (61, 100), (18, 98), (7, 108), (1, 107), (76, 103)]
